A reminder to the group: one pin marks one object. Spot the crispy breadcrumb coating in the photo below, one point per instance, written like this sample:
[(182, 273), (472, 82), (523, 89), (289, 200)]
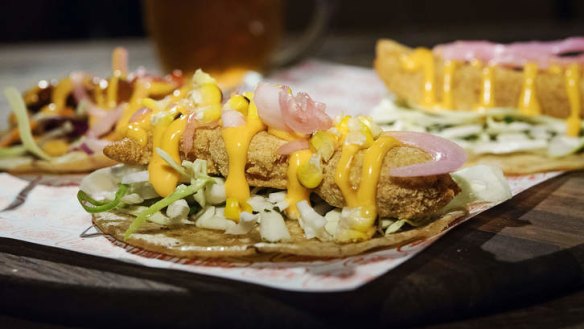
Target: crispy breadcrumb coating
[(403, 198)]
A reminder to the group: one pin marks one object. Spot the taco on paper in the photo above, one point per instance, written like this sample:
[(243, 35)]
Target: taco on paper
[(270, 172), (62, 126)]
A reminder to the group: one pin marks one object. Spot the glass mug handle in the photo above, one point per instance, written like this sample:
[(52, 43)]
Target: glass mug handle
[(312, 35)]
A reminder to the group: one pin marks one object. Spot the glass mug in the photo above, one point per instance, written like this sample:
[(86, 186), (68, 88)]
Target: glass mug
[(227, 38)]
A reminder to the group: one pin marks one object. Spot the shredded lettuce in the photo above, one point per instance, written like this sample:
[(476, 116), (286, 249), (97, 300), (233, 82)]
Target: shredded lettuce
[(170, 161), (19, 108), (496, 131), (94, 206), (197, 171), (481, 183), (394, 226), (181, 192), (564, 145)]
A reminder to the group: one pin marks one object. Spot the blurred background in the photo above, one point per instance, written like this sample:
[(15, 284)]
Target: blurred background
[(415, 22)]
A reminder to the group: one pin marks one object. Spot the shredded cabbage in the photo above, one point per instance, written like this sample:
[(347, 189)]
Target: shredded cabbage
[(311, 222), (170, 161), (481, 183), (394, 226), (181, 192), (273, 228), (496, 131)]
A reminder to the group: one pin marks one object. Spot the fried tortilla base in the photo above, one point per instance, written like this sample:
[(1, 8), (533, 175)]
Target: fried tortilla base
[(189, 241), (525, 163), (66, 165)]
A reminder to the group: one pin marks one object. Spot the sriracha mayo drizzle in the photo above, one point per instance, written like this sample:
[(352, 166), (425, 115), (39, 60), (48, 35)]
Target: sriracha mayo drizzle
[(296, 191), (364, 197), (237, 140), (528, 103)]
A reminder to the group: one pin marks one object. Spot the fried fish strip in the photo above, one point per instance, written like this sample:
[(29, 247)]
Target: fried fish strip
[(403, 198)]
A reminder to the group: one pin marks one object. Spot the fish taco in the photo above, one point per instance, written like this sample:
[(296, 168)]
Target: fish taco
[(269, 171)]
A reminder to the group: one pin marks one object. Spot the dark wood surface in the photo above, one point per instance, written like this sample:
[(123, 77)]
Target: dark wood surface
[(520, 264)]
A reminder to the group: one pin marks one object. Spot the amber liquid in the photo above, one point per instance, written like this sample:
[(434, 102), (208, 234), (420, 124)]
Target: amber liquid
[(223, 37)]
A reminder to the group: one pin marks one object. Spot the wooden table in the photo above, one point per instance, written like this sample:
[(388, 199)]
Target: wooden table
[(520, 264)]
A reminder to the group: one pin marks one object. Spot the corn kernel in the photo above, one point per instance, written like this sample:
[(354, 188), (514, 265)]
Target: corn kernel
[(358, 133), (371, 125), (343, 126), (310, 173), (210, 94), (324, 143), (55, 147), (200, 78), (232, 210)]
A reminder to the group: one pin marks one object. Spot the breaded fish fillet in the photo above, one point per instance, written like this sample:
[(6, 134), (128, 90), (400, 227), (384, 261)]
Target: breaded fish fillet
[(550, 88), (403, 198)]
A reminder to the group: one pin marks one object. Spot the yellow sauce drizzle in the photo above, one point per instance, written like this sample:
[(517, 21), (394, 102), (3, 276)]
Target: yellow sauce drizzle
[(160, 88), (343, 173), (287, 136), (112, 91), (138, 130), (167, 134), (59, 97), (423, 59), (140, 92), (98, 94), (528, 103), (555, 69), (365, 196), (573, 122), (296, 191), (237, 140), (447, 82), (487, 96), (119, 71)]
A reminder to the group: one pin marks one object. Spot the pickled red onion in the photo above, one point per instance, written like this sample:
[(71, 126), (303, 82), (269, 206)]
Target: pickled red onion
[(267, 100), (293, 146), (79, 92), (515, 54), (189, 133), (302, 114), (105, 120), (447, 156), (191, 127), (298, 113)]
